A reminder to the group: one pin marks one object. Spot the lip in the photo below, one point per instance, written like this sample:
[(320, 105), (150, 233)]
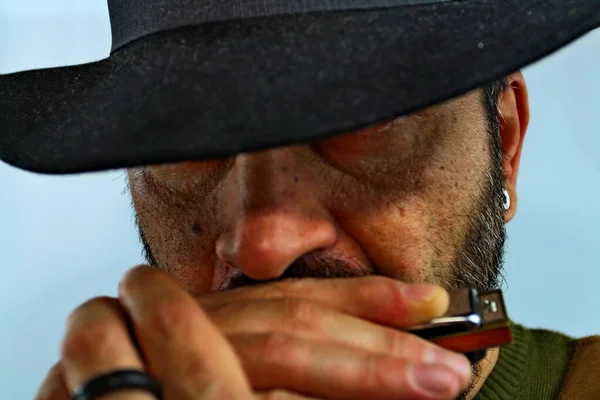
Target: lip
[(227, 276)]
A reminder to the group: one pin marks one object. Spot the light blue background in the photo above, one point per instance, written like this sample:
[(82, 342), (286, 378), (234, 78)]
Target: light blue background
[(66, 239)]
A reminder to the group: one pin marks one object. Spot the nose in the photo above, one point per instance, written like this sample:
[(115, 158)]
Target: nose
[(272, 215)]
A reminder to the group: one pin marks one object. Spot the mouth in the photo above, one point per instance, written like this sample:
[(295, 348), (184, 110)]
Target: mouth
[(310, 266)]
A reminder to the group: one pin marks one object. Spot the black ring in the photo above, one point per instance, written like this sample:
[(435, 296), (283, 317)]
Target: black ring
[(116, 380)]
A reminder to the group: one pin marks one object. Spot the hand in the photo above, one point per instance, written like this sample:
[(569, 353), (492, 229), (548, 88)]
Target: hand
[(311, 336), (157, 328), (339, 338)]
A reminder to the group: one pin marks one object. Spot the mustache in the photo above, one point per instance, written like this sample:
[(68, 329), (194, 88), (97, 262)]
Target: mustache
[(310, 266)]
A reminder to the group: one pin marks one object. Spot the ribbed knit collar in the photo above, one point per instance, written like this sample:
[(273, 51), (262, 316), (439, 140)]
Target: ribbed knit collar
[(535, 364)]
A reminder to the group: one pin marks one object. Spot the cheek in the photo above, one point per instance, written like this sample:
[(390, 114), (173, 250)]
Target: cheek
[(395, 236), (411, 229), (180, 229)]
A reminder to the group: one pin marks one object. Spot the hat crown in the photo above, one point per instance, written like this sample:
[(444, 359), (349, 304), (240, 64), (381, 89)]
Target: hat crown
[(133, 19)]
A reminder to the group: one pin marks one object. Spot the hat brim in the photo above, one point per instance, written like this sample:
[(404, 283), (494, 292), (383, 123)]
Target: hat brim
[(218, 89)]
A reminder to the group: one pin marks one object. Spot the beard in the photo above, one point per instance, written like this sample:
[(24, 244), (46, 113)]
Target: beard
[(479, 262)]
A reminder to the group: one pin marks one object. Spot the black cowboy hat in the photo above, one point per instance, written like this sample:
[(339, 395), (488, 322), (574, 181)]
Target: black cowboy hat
[(196, 79)]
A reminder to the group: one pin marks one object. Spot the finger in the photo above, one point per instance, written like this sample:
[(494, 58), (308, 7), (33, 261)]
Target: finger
[(379, 299), (53, 386), (182, 347), (97, 341), (281, 395), (313, 321), (334, 372)]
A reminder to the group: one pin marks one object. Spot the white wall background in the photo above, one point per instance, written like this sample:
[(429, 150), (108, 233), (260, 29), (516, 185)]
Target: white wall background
[(66, 239)]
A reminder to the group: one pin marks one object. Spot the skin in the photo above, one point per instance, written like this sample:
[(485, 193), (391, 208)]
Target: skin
[(406, 201)]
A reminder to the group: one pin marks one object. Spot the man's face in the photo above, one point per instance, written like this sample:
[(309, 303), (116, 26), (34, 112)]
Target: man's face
[(418, 199)]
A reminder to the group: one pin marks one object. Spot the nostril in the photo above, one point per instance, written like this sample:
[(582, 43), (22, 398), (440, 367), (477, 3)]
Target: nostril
[(264, 246)]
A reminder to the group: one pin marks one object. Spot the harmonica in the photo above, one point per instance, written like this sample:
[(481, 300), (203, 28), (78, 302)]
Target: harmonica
[(473, 323)]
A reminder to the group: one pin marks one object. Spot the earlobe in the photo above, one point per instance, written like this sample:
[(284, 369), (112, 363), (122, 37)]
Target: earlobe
[(510, 203), (506, 199)]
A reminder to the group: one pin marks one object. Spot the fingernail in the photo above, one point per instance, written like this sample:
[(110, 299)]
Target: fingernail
[(435, 379), (456, 362), (420, 292)]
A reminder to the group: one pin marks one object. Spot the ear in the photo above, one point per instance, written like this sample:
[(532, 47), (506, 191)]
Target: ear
[(513, 107)]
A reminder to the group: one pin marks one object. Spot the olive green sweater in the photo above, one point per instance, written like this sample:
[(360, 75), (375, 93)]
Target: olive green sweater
[(533, 367)]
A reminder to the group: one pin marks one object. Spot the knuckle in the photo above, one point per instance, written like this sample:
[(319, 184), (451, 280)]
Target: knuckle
[(397, 343), (133, 275), (380, 288), (277, 347), (387, 295), (386, 374), (169, 320), (195, 368), (273, 342), (300, 313), (291, 287), (374, 375), (408, 346), (95, 337), (279, 289), (90, 307)]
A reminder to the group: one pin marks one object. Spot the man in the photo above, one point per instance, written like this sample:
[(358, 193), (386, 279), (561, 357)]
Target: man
[(271, 144)]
